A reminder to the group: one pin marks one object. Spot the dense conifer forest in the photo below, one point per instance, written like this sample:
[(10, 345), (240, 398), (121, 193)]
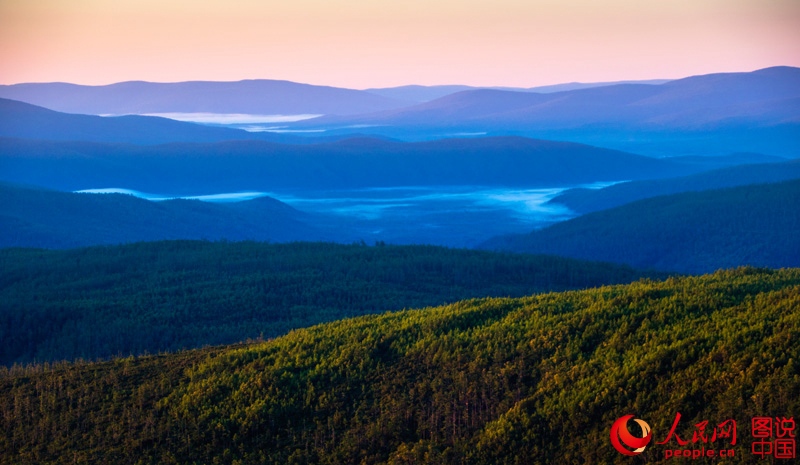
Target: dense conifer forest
[(149, 297), (536, 380)]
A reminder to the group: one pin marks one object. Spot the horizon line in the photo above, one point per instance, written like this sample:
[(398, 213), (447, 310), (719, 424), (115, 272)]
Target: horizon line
[(499, 86)]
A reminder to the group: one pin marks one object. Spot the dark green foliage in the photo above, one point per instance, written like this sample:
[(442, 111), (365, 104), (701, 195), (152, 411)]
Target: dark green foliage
[(589, 200), (693, 232), (535, 380), (121, 300)]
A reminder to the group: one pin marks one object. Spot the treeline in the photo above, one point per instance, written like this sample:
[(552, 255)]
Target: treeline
[(151, 297), (536, 380)]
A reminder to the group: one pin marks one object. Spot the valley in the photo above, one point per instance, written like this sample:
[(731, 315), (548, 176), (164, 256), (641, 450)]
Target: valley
[(264, 271)]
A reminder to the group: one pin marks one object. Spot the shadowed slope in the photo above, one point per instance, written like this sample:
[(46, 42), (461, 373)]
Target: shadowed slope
[(691, 232)]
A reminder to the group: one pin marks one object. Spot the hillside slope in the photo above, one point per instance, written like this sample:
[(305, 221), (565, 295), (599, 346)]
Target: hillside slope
[(259, 97), (193, 169), (33, 217), (691, 232), (25, 121), (716, 114), (156, 296), (763, 97), (589, 200), (537, 380)]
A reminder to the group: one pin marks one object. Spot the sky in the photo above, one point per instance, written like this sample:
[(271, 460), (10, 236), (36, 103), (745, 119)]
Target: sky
[(382, 43)]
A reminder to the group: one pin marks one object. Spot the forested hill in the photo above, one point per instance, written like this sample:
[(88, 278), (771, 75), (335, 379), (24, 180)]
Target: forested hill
[(536, 380), (584, 200), (194, 169), (32, 122), (693, 232), (35, 217), (152, 297)]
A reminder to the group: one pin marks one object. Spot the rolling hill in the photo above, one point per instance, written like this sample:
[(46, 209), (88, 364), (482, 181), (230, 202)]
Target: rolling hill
[(589, 200), (25, 121), (537, 380), (692, 232), (193, 169), (100, 302), (420, 94), (35, 217), (764, 97), (259, 97)]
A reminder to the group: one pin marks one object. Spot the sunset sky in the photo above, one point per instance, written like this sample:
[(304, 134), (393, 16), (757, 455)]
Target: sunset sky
[(381, 43)]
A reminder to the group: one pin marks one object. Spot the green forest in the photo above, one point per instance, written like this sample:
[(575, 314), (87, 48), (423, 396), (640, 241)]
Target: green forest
[(133, 299), (537, 380)]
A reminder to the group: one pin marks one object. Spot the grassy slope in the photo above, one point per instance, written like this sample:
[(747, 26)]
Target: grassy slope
[(532, 380)]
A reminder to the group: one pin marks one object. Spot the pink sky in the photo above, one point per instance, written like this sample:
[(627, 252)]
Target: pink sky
[(381, 43)]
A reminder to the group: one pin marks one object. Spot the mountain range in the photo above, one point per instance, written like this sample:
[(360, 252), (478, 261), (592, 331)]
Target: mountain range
[(420, 94), (711, 114), (236, 166), (23, 120), (764, 97), (259, 97), (714, 114), (512, 375)]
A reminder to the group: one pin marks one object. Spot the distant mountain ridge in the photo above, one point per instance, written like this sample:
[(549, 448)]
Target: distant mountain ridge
[(714, 114), (420, 94), (195, 169), (689, 102), (260, 97), (252, 96), (23, 120), (717, 113), (27, 121)]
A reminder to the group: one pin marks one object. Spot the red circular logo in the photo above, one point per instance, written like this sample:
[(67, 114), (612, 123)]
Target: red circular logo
[(624, 441)]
